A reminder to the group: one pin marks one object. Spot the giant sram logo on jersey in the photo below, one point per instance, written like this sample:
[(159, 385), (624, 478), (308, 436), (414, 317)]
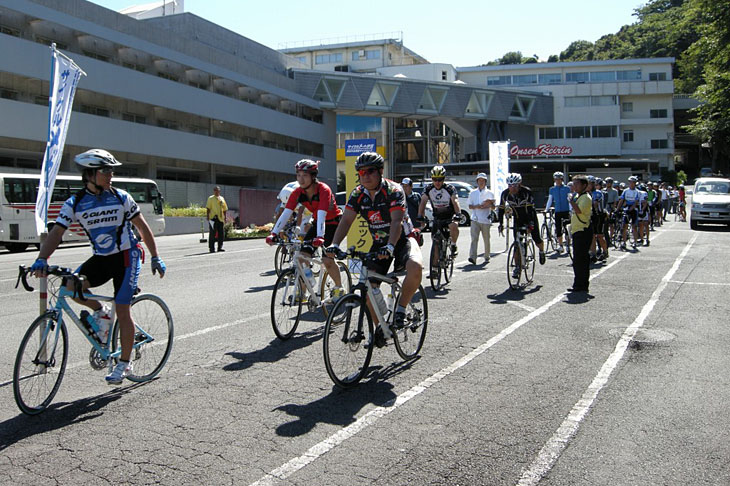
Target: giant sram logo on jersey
[(100, 217)]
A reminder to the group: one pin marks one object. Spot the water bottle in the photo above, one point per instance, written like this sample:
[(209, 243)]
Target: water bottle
[(309, 276), (380, 301), (89, 323)]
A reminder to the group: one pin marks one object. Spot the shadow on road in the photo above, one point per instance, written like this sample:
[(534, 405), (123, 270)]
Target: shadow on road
[(274, 351), (59, 415), (339, 408), (260, 288), (512, 295), (578, 297)]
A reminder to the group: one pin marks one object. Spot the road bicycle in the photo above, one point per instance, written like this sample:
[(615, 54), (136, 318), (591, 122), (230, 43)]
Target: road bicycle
[(43, 352), (547, 230), (292, 290), (441, 266), (624, 221), (521, 259), (349, 332)]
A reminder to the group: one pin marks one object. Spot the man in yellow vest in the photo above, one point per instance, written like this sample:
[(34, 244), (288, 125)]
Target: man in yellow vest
[(216, 208)]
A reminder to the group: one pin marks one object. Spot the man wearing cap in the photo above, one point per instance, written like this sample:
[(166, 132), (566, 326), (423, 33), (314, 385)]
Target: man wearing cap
[(412, 201), (481, 203)]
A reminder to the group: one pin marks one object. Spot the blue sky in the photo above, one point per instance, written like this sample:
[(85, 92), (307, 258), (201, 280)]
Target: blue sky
[(462, 33)]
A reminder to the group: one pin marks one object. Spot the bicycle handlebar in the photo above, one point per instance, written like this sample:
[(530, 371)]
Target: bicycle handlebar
[(23, 272)]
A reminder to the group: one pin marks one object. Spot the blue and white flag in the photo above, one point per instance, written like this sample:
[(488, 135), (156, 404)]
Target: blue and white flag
[(65, 75), (498, 166)]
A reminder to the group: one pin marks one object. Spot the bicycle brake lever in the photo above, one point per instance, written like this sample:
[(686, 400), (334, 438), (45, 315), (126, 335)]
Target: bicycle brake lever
[(22, 274), (79, 287)]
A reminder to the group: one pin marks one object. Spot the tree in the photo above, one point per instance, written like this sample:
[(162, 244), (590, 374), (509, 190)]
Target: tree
[(581, 50), (553, 58), (514, 57)]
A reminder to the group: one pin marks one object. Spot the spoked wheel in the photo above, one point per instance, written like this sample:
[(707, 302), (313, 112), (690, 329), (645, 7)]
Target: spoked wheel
[(568, 240), (40, 364), (514, 272), (347, 343), (286, 304), (547, 237), (328, 285), (282, 258), (153, 337), (435, 273), (529, 268), (447, 258), (409, 339)]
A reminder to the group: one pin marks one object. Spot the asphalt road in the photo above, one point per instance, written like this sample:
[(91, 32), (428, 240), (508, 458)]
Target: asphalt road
[(629, 387)]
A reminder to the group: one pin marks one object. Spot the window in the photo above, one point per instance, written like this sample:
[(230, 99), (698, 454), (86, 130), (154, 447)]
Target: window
[(131, 117), (94, 110), (627, 107), (328, 58), (96, 55), (554, 78), (577, 132), (550, 133), (136, 67), (603, 100), (657, 76), (634, 75), (9, 31), (628, 135), (603, 76), (605, 131), (657, 113), (576, 77), (41, 100), (525, 79), (48, 42), (659, 144), (444, 76), (8, 94), (577, 101), (366, 55), (498, 80), (302, 59), (169, 77), (167, 124)]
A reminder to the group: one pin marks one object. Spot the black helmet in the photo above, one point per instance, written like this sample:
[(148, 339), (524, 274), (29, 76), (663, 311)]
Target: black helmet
[(369, 159)]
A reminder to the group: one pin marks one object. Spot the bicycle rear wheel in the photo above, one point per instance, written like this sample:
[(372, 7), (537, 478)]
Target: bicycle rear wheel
[(409, 339), (434, 267), (529, 268), (514, 273), (153, 337), (328, 285), (348, 341), (286, 304), (547, 237), (38, 373)]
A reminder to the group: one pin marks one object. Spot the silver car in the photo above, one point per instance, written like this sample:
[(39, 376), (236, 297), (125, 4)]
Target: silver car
[(710, 201)]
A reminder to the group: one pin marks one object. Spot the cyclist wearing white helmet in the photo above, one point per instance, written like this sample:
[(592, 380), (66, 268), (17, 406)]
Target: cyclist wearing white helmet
[(301, 220), (382, 203), (105, 213), (445, 203), (558, 195), (318, 198), (630, 201), (519, 198)]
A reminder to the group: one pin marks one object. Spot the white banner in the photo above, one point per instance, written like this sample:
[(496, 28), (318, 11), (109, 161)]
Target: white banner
[(65, 76), (498, 167)]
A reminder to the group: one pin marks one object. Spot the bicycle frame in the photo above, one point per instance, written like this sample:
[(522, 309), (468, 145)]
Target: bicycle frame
[(363, 284), (299, 260)]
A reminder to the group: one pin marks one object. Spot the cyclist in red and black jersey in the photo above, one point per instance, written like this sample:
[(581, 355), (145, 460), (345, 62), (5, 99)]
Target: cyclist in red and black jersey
[(318, 198)]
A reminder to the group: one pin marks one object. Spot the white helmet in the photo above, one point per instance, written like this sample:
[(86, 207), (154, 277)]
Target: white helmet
[(96, 159), (514, 178), (286, 191), (558, 175), (633, 179)]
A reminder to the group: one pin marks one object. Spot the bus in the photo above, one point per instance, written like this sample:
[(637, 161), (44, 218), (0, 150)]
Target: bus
[(17, 207)]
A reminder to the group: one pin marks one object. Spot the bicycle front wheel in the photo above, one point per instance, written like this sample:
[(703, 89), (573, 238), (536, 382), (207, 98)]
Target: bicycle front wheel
[(529, 267), (434, 267), (286, 304), (282, 258), (447, 258), (328, 285), (409, 339), (347, 343), (514, 272), (40, 364), (153, 337)]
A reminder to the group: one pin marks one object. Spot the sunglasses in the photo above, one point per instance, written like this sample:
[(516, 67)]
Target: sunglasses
[(438, 179), (513, 185), (106, 170), (369, 171)]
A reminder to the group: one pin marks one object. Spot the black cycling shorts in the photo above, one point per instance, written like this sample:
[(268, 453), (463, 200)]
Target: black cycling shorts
[(122, 268), (535, 230), (598, 223), (401, 253), (560, 217)]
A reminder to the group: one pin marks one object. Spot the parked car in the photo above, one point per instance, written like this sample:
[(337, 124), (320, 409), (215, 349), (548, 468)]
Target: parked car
[(463, 190), (710, 202)]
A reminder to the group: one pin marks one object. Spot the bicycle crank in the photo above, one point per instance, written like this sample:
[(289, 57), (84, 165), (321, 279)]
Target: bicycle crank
[(96, 361)]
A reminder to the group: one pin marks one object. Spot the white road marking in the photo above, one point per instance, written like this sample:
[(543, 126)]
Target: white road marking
[(685, 283), (315, 452), (551, 451), (521, 305)]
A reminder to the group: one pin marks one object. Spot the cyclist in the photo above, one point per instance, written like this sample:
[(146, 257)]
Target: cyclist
[(413, 200), (682, 197), (283, 198), (629, 201), (598, 219), (558, 195), (382, 203), (519, 198), (644, 215), (105, 214), (445, 203), (658, 202), (318, 198), (611, 198)]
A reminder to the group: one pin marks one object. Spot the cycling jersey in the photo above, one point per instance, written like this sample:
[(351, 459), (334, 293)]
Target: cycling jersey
[(440, 199), (598, 201), (630, 196), (322, 200), (376, 211), (104, 217), (559, 197), (522, 203), (611, 198)]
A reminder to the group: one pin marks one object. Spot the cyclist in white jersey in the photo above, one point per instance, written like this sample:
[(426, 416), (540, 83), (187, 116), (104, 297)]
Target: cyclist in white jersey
[(644, 216), (630, 201), (105, 214)]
